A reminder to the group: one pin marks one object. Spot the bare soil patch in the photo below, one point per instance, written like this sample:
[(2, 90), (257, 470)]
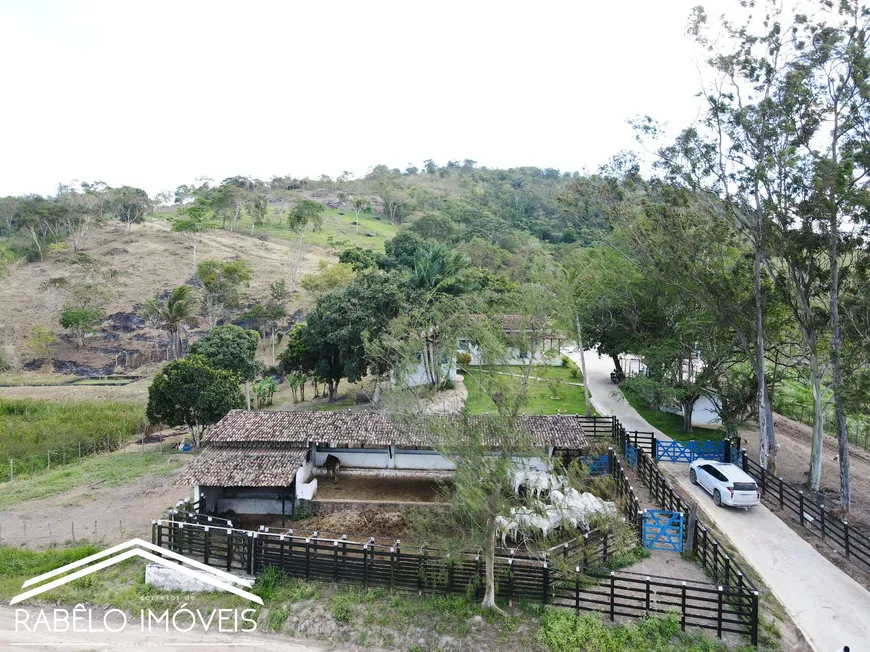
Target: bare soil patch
[(149, 260), (793, 463), (94, 512)]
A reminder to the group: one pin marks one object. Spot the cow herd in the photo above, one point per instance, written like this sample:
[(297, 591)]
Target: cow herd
[(565, 506)]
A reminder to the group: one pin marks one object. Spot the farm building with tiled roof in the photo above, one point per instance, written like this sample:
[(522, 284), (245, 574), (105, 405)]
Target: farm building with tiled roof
[(263, 461)]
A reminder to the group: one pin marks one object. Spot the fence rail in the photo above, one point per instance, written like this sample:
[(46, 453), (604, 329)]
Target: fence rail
[(709, 551), (425, 571), (809, 513), (13, 468)]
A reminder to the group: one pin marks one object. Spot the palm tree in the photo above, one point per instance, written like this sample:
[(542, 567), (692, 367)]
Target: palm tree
[(170, 314), (438, 268)]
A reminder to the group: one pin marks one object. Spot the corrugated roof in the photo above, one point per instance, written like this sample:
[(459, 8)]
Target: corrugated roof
[(232, 466), (374, 429)]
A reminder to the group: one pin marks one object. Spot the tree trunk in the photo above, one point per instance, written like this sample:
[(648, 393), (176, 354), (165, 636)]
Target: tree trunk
[(617, 364), (815, 477), (248, 393), (836, 336), (583, 364), (489, 595), (767, 443), (331, 389), (688, 410)]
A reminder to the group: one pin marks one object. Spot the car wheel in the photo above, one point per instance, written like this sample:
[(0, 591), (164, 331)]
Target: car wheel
[(717, 498), (693, 477)]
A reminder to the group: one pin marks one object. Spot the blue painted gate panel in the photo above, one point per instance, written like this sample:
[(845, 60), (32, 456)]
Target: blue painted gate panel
[(671, 451), (597, 464), (663, 530), (631, 454)]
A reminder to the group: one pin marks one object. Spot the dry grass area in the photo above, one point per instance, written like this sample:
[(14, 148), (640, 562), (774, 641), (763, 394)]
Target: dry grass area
[(150, 259)]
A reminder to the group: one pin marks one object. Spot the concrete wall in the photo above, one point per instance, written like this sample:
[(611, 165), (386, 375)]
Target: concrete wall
[(544, 356), (417, 460), (421, 460), (170, 579), (356, 458), (307, 491), (304, 474)]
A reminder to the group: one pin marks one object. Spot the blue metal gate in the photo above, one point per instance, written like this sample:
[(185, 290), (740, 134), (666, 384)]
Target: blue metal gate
[(663, 530), (631, 454), (597, 464), (671, 451)]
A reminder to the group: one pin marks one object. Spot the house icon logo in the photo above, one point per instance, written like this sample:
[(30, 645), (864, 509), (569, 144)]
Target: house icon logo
[(219, 579)]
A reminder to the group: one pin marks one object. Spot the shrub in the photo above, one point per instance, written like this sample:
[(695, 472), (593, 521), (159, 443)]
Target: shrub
[(463, 359), (341, 607)]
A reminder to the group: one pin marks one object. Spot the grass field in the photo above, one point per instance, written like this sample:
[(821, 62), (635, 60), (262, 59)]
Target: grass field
[(552, 396), (30, 427), (111, 470), (338, 231), (669, 424)]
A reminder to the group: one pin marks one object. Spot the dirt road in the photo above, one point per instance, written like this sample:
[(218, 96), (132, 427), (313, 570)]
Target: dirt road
[(132, 638)]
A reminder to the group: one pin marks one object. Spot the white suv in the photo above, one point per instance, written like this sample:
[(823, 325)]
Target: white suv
[(729, 484)]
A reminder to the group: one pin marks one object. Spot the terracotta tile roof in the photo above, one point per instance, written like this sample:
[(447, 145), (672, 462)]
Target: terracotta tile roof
[(374, 429), (232, 466)]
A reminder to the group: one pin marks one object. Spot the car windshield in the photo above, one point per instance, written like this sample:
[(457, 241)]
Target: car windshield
[(744, 486)]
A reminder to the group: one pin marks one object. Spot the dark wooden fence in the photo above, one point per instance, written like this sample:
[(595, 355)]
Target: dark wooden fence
[(573, 574), (431, 572), (809, 513), (709, 551)]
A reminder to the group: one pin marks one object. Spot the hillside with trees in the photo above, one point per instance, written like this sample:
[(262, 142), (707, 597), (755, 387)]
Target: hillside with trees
[(735, 266)]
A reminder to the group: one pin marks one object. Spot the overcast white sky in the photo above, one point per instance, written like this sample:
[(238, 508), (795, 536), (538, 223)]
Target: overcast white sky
[(154, 94)]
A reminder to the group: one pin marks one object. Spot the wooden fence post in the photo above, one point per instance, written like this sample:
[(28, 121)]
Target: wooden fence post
[(754, 619), (545, 593), (719, 614), (683, 608), (335, 560), (690, 527), (646, 607), (392, 568), (511, 582), (716, 561), (480, 578), (704, 532), (846, 537), (421, 571), (801, 507), (612, 596), (205, 546), (308, 559), (229, 549), (822, 510), (577, 590)]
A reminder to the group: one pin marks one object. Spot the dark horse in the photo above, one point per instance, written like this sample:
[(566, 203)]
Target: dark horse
[(333, 465)]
